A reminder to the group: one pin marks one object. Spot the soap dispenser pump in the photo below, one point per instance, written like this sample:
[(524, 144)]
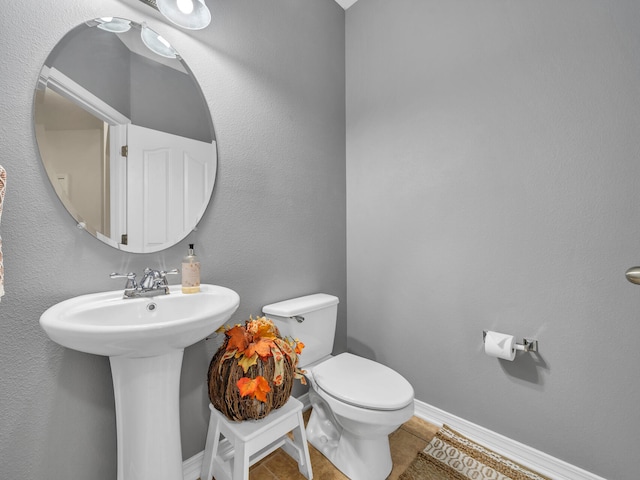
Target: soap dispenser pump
[(190, 272)]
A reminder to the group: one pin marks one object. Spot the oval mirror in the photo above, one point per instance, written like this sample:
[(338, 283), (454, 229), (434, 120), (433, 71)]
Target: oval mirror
[(125, 135)]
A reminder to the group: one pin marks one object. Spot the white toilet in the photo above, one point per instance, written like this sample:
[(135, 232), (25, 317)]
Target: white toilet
[(356, 402)]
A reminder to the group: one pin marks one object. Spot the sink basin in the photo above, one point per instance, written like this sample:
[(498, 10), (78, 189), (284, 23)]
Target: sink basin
[(107, 324), (144, 339)]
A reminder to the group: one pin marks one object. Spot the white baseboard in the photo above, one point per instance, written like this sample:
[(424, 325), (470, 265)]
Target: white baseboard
[(191, 467), (529, 457), (306, 403)]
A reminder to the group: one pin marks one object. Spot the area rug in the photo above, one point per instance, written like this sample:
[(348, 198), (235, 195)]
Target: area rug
[(450, 455)]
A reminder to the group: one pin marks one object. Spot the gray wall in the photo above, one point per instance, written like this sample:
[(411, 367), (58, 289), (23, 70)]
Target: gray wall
[(492, 179), (272, 72)]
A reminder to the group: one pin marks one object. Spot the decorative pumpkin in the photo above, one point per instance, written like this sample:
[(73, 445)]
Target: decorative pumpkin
[(252, 372)]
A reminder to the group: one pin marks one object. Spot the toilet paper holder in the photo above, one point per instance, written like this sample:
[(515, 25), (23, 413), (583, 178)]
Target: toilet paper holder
[(527, 345)]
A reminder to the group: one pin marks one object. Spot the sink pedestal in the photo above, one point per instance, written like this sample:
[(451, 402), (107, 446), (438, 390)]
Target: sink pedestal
[(144, 339), (147, 398)]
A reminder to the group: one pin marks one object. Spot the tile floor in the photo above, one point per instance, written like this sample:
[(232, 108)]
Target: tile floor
[(405, 442)]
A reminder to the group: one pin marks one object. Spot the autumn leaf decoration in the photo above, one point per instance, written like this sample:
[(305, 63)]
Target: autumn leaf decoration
[(254, 387), (257, 340)]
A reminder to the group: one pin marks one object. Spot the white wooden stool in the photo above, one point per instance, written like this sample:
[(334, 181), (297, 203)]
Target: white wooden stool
[(232, 447)]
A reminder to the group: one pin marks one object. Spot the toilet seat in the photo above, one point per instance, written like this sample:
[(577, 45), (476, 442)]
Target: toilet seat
[(363, 383)]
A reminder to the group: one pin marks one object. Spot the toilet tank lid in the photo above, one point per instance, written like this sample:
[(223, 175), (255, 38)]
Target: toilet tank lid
[(300, 305)]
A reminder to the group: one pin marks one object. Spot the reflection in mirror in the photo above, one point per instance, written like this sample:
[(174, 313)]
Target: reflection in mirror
[(125, 135)]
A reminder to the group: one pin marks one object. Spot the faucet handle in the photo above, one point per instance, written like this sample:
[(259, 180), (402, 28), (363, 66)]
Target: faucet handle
[(156, 278), (131, 278), (129, 275), (162, 278)]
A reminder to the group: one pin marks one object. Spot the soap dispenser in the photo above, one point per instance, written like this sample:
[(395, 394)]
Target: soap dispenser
[(190, 272)]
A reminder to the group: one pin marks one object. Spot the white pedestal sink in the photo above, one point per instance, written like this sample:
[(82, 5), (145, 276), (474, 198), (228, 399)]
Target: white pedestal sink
[(144, 339)]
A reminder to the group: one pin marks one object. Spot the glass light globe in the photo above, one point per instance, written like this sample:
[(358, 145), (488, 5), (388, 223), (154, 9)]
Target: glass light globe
[(190, 14), (185, 6), (156, 43), (114, 25)]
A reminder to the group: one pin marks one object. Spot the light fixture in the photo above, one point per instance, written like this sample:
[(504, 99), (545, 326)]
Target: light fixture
[(114, 25), (191, 14), (156, 43)]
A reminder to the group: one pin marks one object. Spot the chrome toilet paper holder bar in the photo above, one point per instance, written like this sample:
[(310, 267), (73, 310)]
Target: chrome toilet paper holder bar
[(527, 345)]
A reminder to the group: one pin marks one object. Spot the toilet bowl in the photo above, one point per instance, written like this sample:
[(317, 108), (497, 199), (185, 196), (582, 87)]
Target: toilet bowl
[(356, 402)]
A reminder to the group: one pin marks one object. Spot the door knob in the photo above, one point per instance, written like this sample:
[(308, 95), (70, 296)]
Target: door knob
[(633, 275)]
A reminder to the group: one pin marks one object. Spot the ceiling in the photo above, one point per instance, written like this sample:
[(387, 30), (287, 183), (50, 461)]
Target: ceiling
[(346, 3)]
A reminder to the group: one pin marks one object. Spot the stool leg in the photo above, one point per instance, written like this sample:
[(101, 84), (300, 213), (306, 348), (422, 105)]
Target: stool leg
[(307, 472), (240, 461), (299, 449), (211, 448)]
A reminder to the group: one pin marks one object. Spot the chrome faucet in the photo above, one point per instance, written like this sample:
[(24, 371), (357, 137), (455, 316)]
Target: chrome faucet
[(154, 282)]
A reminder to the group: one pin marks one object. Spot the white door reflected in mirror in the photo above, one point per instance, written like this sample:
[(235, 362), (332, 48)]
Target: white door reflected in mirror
[(170, 180)]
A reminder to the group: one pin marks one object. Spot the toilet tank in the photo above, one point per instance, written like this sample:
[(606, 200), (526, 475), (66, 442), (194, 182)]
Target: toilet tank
[(310, 319)]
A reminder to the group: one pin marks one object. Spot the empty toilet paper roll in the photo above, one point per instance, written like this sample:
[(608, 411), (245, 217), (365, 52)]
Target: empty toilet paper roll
[(500, 345)]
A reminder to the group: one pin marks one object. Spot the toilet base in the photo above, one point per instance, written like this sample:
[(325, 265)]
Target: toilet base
[(358, 457)]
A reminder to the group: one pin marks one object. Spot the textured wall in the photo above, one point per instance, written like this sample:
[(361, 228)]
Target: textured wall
[(492, 179), (273, 74)]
